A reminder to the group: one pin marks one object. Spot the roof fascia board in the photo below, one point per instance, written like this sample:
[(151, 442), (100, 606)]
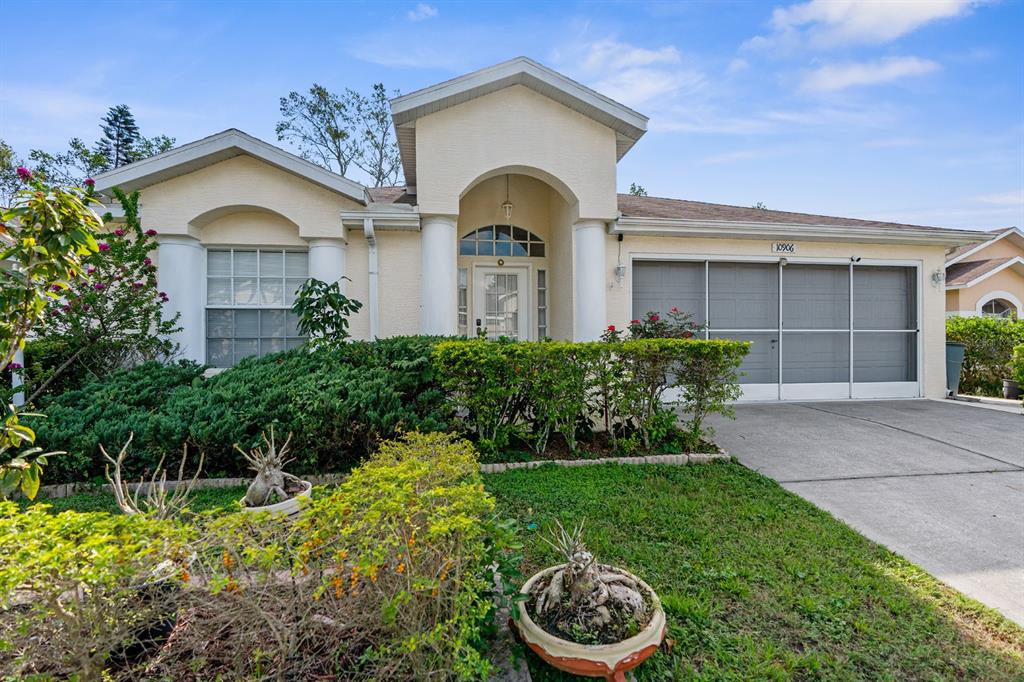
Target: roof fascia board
[(382, 220), (988, 242), (226, 141), (1019, 260), (669, 227)]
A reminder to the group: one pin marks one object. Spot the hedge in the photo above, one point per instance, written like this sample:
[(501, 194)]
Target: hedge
[(989, 343), (338, 404), (1018, 364), (519, 394)]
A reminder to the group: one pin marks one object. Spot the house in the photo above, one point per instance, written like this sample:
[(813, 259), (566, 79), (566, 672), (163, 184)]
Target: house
[(509, 223), (987, 278)]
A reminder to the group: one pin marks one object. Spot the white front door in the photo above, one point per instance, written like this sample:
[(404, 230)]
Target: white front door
[(500, 302)]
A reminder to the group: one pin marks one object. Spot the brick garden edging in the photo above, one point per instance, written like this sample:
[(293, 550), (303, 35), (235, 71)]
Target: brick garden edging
[(59, 490), (675, 460)]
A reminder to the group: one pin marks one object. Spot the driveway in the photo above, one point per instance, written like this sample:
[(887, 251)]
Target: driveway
[(940, 483)]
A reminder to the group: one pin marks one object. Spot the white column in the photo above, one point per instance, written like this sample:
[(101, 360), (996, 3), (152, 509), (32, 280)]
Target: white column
[(589, 311), (181, 274), (439, 249), (327, 260)]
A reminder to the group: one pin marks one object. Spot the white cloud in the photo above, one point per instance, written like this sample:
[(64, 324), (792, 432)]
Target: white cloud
[(833, 77), (736, 65), (421, 11), (1014, 197), (834, 23)]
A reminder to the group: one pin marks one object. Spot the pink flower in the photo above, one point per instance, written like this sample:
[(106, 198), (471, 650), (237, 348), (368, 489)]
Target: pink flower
[(104, 246), (654, 318), (634, 321), (55, 287), (99, 286), (91, 269), (675, 309), (66, 308), (147, 261), (138, 285), (24, 173), (14, 365), (687, 335), (611, 327), (150, 232), (119, 232), (88, 182)]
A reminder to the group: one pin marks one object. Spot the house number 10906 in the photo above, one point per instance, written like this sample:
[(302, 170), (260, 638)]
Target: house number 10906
[(783, 247)]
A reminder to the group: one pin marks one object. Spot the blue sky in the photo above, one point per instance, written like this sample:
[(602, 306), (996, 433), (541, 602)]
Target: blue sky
[(907, 111)]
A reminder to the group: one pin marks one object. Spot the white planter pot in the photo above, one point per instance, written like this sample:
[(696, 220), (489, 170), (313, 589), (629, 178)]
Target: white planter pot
[(610, 661), (289, 507)]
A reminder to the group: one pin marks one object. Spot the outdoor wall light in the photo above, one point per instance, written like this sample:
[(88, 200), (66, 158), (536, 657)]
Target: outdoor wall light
[(938, 277), (620, 273)]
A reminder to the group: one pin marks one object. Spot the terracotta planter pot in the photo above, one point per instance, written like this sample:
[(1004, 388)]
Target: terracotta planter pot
[(289, 507), (610, 661)]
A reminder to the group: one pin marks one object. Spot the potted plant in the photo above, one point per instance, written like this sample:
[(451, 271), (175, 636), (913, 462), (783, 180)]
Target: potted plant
[(587, 618), (273, 490)]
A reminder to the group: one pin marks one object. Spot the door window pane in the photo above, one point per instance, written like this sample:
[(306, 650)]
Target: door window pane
[(744, 295), (816, 357), (659, 286), (761, 365), (884, 298), (815, 297)]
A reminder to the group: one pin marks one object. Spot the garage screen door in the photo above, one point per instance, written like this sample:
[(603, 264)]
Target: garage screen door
[(816, 330)]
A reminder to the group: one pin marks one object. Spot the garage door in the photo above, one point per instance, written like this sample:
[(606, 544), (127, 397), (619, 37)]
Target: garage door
[(816, 330)]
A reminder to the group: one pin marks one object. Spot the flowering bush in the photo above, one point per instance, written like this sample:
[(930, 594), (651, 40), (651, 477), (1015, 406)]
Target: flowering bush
[(116, 318), (674, 325)]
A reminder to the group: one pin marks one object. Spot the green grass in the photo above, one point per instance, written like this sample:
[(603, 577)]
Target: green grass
[(756, 582)]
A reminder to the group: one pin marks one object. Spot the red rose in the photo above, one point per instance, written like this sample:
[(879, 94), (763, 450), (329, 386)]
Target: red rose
[(654, 318), (88, 182), (611, 327), (634, 321)]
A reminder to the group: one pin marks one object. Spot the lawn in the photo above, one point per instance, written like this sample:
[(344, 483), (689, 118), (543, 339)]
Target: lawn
[(758, 583)]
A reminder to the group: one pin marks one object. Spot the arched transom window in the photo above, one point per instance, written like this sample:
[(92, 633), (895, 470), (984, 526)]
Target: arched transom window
[(997, 307), (501, 240)]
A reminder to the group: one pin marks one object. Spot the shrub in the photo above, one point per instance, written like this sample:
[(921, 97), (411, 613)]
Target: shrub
[(80, 591), (511, 393), (989, 343), (1018, 364), (339, 404), (385, 578)]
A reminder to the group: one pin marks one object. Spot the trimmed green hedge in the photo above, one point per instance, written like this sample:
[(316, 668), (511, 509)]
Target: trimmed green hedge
[(1018, 364), (989, 343), (520, 394), (338, 404)]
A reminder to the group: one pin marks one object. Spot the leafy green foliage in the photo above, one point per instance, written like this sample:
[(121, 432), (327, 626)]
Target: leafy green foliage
[(756, 583), (989, 343), (339, 404), (44, 238), (323, 312), (515, 393), (1018, 364)]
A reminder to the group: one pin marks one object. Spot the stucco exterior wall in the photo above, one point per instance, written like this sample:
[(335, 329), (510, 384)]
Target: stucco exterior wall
[(931, 258), (357, 267), (185, 204), (398, 254), (518, 129), (252, 228), (1003, 248)]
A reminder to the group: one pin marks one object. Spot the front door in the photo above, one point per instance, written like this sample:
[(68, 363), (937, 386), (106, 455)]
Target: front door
[(500, 304)]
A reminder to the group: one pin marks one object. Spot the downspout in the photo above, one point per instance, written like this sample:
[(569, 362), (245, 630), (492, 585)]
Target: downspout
[(372, 269)]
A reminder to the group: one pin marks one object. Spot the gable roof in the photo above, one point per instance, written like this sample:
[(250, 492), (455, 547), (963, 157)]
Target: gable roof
[(964, 252), (219, 147), (966, 274), (678, 217), (628, 124)]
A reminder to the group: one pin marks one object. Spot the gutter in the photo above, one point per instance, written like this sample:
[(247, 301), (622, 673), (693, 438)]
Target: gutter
[(727, 229), (373, 271)]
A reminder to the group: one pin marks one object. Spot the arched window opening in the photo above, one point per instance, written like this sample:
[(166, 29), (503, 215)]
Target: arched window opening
[(997, 307), (501, 240)]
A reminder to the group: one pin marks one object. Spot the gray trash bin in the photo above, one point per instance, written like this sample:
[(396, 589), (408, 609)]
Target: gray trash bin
[(954, 362)]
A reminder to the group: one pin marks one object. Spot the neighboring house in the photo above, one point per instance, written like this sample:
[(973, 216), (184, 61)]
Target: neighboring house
[(987, 278), (509, 223)]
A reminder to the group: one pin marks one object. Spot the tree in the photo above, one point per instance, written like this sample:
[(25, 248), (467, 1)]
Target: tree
[(760, 206), (378, 154), (115, 318), (121, 137), (44, 237), (339, 131), (10, 183), (637, 190), (320, 125)]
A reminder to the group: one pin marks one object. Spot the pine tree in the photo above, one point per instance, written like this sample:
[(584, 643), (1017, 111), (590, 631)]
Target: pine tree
[(120, 137)]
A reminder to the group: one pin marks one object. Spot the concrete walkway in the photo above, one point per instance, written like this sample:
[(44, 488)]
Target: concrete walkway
[(941, 484)]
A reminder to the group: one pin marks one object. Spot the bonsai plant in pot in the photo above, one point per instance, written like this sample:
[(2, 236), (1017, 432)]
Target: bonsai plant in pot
[(273, 490), (588, 618)]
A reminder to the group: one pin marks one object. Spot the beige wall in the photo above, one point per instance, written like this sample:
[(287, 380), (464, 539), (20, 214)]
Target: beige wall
[(398, 255), (357, 267), (966, 300), (932, 258), (186, 204), (1004, 248), (252, 228), (515, 128)]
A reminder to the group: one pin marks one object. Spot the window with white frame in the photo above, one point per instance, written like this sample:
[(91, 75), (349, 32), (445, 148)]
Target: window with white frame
[(542, 304), (997, 307), (249, 294)]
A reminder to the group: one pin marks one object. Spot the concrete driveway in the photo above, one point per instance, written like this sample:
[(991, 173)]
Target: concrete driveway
[(940, 483)]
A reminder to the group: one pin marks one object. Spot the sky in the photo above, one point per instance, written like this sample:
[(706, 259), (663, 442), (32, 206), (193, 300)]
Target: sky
[(904, 111)]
